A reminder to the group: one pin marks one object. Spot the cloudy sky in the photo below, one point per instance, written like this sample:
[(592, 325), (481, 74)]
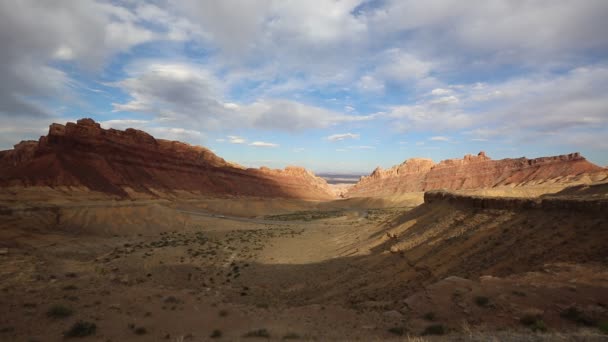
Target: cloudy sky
[(332, 85)]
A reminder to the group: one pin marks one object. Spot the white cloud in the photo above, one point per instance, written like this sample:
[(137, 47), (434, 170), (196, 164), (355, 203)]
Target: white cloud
[(445, 100), (400, 66), (343, 136), (441, 92), (181, 91), (85, 33), (369, 83), (177, 133), (439, 138), (263, 144), (233, 139), (123, 124), (520, 107)]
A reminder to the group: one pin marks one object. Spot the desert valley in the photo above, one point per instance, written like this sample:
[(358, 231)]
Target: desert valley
[(290, 170), (114, 235)]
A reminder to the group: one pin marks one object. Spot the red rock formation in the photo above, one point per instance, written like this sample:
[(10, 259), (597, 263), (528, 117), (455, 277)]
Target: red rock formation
[(111, 161), (471, 172)]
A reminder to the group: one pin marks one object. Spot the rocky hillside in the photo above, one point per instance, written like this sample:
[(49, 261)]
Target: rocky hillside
[(473, 172), (132, 161)]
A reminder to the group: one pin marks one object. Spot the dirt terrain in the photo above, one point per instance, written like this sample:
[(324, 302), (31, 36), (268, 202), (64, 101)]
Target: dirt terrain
[(241, 268)]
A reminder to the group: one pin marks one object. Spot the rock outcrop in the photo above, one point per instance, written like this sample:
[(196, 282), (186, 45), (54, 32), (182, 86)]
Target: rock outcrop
[(117, 162), (471, 172), (565, 204)]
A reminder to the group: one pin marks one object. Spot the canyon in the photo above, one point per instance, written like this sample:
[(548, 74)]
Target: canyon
[(128, 235)]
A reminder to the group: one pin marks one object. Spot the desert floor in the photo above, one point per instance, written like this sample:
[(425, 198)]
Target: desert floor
[(251, 269)]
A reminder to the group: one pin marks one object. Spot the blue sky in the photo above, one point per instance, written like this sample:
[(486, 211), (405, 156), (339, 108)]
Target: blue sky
[(335, 86)]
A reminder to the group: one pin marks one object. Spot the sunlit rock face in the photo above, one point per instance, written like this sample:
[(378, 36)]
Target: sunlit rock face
[(471, 172), (111, 161)]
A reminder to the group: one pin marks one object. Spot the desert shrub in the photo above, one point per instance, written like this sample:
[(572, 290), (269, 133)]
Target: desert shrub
[(435, 329), (291, 336), (399, 331), (258, 333), (140, 331), (533, 322), (81, 329), (603, 327), (482, 301), (59, 311), (575, 315)]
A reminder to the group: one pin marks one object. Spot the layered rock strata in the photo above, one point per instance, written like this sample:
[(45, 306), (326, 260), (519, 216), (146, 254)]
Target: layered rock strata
[(117, 162), (471, 172)]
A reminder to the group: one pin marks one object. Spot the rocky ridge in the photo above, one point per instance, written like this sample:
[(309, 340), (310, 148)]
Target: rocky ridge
[(117, 162), (471, 172)]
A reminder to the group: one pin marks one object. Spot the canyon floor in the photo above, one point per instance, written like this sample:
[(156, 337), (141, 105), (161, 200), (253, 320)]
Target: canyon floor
[(203, 269)]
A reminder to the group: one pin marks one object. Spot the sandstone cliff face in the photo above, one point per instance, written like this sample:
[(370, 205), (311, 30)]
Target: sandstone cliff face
[(112, 161), (564, 204), (471, 172)]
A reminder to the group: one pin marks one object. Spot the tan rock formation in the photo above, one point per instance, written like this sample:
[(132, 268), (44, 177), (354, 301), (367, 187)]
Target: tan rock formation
[(471, 172)]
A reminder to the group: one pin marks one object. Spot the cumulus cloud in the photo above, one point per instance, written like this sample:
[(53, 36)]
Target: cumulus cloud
[(181, 91), (521, 107), (34, 35), (343, 136), (504, 32)]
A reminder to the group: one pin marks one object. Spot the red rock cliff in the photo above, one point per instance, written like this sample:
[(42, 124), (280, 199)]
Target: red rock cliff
[(471, 172), (110, 161)]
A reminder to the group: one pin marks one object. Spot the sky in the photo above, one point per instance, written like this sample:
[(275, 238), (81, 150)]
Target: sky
[(331, 85)]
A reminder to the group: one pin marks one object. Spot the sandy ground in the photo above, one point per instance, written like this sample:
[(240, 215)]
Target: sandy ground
[(250, 269)]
